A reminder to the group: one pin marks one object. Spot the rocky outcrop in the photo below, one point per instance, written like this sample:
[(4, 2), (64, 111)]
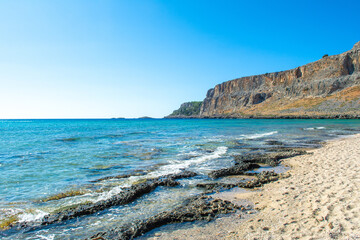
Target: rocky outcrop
[(261, 179), (196, 208), (187, 110), (327, 88), (128, 195)]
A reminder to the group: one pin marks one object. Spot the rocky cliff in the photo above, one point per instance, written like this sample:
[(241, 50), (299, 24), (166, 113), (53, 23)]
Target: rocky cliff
[(329, 88)]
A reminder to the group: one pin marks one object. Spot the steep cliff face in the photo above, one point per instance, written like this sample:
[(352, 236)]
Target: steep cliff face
[(328, 87)]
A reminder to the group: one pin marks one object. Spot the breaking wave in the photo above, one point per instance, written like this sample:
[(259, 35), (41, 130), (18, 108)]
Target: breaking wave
[(257, 135)]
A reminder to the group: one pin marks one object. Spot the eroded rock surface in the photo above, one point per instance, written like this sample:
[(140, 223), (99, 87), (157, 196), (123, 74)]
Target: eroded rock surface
[(238, 169), (196, 208), (126, 196), (271, 159), (261, 178)]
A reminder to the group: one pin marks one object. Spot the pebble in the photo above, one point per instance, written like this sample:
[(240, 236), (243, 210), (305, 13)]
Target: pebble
[(331, 226)]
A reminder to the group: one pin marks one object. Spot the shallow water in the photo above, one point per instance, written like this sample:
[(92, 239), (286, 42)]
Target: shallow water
[(43, 158)]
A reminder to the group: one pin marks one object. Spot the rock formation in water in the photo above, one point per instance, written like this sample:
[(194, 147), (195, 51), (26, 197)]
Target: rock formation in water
[(327, 88)]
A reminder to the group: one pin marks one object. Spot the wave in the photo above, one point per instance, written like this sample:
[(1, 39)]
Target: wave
[(257, 135), (177, 166), (314, 128), (188, 155), (50, 237), (114, 191), (35, 215)]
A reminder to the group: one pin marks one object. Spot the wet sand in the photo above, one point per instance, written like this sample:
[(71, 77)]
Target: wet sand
[(320, 200)]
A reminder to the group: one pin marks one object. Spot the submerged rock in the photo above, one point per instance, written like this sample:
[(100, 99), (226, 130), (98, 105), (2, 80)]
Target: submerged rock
[(196, 208), (274, 142)]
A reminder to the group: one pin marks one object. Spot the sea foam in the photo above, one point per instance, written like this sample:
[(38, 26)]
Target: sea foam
[(313, 128), (177, 166), (257, 135), (32, 217)]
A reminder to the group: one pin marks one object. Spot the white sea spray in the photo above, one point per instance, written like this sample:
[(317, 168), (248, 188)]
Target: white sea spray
[(34, 215), (108, 194), (49, 237)]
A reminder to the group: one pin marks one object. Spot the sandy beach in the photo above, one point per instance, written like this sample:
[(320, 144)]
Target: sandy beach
[(320, 200)]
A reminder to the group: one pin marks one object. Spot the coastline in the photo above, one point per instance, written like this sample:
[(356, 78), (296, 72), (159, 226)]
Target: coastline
[(194, 203), (318, 201), (338, 116)]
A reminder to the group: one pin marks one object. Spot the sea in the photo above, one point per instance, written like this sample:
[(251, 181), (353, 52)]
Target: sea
[(50, 165)]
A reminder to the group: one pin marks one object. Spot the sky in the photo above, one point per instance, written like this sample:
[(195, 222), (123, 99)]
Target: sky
[(134, 58)]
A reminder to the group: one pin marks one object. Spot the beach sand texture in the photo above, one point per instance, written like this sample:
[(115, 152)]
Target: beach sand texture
[(321, 200)]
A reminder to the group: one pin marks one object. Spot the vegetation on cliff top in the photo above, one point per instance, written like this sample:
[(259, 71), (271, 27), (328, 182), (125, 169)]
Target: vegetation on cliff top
[(187, 109)]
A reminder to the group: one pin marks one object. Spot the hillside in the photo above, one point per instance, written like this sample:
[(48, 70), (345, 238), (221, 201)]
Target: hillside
[(186, 110), (327, 88)]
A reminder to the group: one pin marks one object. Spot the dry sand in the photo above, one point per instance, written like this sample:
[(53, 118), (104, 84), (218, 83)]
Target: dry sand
[(321, 200)]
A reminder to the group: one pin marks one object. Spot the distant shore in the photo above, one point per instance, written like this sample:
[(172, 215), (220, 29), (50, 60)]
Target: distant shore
[(338, 116), (319, 201)]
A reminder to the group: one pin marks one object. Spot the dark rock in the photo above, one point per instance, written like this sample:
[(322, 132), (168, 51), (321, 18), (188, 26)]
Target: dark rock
[(238, 169), (351, 129), (216, 186), (314, 141), (183, 174), (271, 159), (274, 142), (261, 178), (248, 162), (196, 208), (260, 97)]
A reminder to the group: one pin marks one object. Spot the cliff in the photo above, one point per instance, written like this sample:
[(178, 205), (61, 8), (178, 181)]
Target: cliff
[(327, 88)]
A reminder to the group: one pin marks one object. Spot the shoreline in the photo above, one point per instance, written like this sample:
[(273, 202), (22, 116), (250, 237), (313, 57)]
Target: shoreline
[(224, 186), (311, 117), (318, 201)]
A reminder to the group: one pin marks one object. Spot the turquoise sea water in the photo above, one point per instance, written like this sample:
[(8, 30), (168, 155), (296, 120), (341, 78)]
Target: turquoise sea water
[(42, 158)]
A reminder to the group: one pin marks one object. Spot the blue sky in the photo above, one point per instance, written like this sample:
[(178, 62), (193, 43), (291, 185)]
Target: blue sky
[(99, 59)]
